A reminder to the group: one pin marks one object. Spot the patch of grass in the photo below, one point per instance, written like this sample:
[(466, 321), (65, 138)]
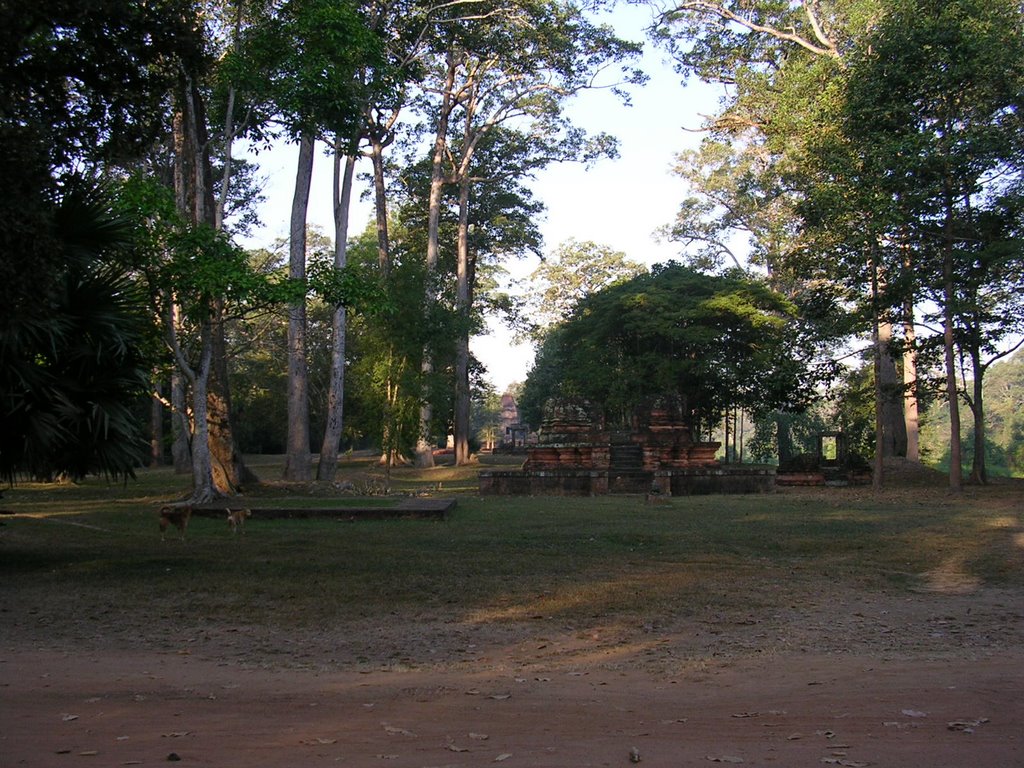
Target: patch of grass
[(80, 548)]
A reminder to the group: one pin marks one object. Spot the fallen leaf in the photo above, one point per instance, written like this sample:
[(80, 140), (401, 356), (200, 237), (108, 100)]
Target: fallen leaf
[(319, 741), (747, 714), (725, 759), (500, 696), (457, 748), (395, 731), (503, 757), (479, 736), (967, 726), (89, 753), (68, 718), (913, 713), (175, 734)]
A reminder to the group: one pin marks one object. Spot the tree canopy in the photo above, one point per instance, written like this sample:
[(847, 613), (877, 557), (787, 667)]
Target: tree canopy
[(706, 342)]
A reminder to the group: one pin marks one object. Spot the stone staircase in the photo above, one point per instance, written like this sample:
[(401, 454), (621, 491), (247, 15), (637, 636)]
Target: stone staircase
[(626, 457)]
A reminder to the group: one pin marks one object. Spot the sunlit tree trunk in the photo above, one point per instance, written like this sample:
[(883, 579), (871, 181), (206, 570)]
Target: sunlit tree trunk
[(194, 193), (910, 406), (894, 438), (230, 473)]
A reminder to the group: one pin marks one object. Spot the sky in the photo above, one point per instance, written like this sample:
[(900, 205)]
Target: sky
[(619, 203)]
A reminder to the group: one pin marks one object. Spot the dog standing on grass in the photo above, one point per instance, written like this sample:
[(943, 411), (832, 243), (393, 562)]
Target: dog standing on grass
[(176, 516), (236, 519)]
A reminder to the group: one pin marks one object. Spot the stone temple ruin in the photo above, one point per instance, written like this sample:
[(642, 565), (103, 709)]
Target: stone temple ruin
[(658, 456)]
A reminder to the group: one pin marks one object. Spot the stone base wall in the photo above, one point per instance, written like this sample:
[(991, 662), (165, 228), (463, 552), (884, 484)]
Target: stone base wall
[(669, 482)]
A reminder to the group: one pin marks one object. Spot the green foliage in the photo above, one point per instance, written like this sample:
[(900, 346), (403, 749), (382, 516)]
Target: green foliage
[(1004, 422), (197, 263), (71, 370), (86, 82), (704, 342), (301, 62), (564, 278)]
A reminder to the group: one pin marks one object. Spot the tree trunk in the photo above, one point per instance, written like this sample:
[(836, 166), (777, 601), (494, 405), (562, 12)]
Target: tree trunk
[(298, 462), (910, 408), (203, 488), (194, 193), (225, 182), (894, 430), (328, 464), (156, 427), (979, 468), (424, 445), (948, 341), (783, 438), (230, 472), (877, 474), (462, 306), (181, 452), (380, 205)]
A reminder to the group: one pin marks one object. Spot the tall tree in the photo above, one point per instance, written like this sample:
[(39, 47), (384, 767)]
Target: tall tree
[(934, 101), (307, 55), (508, 65), (566, 276), (785, 66)]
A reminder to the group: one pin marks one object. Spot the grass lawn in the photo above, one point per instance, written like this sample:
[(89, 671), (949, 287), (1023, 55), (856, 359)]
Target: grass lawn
[(93, 550)]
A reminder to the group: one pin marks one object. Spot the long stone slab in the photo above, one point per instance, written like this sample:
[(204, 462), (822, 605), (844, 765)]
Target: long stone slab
[(407, 508)]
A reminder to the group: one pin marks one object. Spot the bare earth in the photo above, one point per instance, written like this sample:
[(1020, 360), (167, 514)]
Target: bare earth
[(930, 679), (832, 674)]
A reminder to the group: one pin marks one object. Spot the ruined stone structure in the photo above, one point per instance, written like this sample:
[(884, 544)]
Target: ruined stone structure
[(574, 457)]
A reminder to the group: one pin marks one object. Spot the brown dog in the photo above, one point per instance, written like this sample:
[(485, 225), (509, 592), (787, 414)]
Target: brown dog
[(176, 516), (236, 519)]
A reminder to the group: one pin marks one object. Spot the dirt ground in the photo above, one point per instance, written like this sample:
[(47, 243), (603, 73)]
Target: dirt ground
[(831, 674), (933, 679)]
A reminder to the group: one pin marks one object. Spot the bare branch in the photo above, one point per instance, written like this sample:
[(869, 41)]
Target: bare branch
[(824, 47), (813, 10)]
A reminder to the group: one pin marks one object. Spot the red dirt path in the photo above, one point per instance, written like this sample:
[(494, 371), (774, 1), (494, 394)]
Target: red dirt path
[(120, 707)]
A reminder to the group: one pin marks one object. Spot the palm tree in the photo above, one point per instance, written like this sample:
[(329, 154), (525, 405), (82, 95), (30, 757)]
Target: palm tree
[(71, 362)]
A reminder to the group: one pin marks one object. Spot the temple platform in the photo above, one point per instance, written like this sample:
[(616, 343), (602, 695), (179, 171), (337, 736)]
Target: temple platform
[(690, 481)]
